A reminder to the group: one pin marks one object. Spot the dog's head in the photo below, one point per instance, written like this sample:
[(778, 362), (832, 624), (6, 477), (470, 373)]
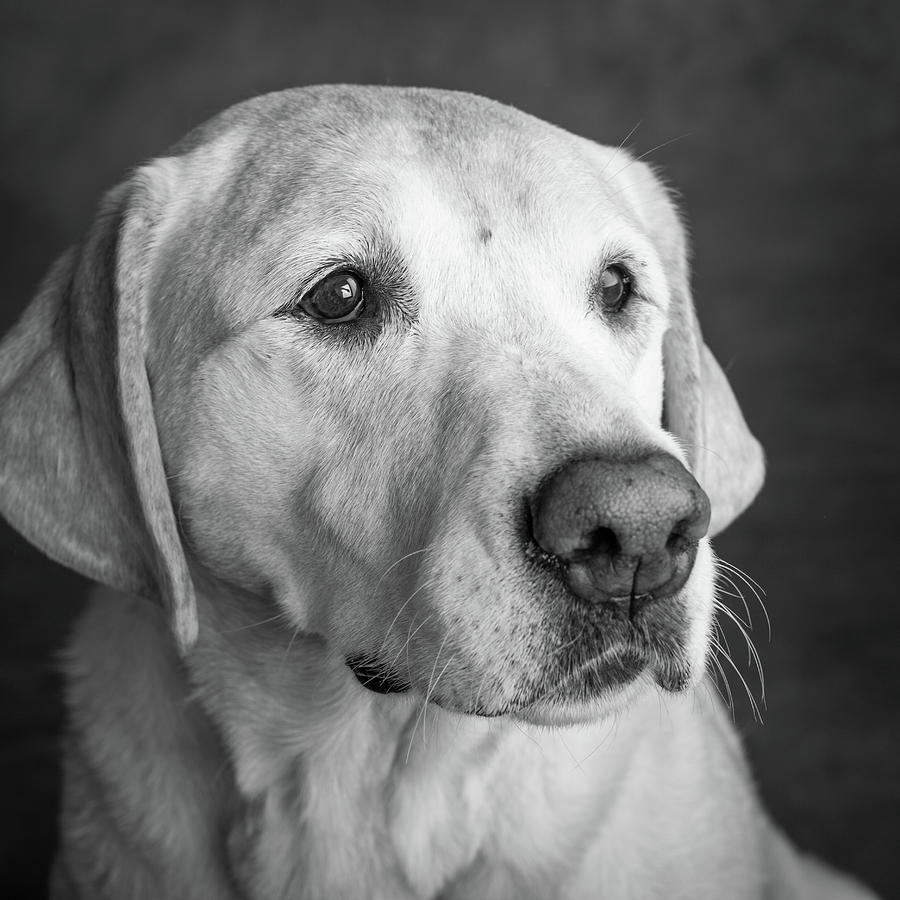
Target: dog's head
[(417, 369)]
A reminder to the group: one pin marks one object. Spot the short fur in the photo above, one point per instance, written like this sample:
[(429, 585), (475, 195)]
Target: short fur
[(295, 495)]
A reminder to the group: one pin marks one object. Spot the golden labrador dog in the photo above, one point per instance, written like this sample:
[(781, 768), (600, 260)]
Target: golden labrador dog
[(395, 401)]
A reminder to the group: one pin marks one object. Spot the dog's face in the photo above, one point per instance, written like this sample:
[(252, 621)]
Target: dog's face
[(378, 324)]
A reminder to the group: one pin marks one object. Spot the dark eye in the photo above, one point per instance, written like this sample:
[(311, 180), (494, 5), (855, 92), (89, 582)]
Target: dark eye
[(614, 288), (336, 298)]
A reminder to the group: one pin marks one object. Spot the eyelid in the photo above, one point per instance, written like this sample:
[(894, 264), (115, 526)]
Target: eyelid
[(617, 261), (314, 278), (326, 271), (645, 284)]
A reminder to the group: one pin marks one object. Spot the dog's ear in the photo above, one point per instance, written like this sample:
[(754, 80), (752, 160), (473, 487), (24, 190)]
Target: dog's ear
[(698, 404), (81, 473)]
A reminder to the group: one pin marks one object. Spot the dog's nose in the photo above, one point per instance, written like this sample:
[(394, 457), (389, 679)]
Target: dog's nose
[(622, 529)]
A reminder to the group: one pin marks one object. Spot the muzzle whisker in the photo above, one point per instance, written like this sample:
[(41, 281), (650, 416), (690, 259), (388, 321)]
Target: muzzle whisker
[(387, 633), (721, 640), (568, 750), (737, 594), (754, 587), (431, 690), (708, 684), (410, 634), (757, 715), (752, 583), (530, 737), (396, 563), (421, 713), (752, 653), (611, 734), (714, 658)]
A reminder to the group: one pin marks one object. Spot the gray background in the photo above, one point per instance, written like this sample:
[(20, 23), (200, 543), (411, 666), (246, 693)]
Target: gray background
[(779, 124)]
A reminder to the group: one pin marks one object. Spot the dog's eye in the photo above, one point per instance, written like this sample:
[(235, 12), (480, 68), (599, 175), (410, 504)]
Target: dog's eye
[(614, 288), (336, 298)]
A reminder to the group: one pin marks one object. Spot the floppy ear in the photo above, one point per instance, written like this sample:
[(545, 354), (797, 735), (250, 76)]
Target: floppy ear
[(700, 408), (81, 472), (698, 405)]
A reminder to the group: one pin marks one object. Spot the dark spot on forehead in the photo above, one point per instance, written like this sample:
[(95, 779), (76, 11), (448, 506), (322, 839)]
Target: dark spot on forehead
[(485, 234)]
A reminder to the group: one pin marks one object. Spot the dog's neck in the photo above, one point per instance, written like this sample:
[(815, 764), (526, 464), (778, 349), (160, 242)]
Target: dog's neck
[(344, 792), (337, 783)]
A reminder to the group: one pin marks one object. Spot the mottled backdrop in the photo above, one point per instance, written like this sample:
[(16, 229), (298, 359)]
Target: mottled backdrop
[(777, 121)]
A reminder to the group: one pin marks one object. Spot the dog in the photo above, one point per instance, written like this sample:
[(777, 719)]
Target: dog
[(394, 404)]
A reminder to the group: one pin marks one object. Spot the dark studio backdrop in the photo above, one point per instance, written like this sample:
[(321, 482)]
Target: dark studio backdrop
[(779, 123)]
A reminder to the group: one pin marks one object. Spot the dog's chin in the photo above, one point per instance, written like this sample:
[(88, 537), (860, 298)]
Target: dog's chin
[(599, 690)]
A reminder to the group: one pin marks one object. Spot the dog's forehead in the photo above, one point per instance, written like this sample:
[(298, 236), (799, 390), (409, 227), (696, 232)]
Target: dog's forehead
[(345, 158)]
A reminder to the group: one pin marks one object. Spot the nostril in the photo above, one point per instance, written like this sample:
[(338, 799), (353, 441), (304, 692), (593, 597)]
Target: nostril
[(678, 541), (601, 541), (605, 542)]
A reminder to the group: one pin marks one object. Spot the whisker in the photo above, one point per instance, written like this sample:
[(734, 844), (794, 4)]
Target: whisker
[(529, 736), (739, 624), (275, 618), (705, 449), (427, 693), (752, 653), (720, 632), (757, 715), (407, 642), (737, 594), (394, 564), (618, 149), (568, 750), (611, 735), (714, 681), (431, 688), (426, 584), (755, 588), (714, 658), (750, 582), (648, 152)]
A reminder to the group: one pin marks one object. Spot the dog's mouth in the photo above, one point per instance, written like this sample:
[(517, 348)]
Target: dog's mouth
[(590, 669), (375, 677)]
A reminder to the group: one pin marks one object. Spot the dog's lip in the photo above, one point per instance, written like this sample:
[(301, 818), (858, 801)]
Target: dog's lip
[(619, 660), (613, 670)]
